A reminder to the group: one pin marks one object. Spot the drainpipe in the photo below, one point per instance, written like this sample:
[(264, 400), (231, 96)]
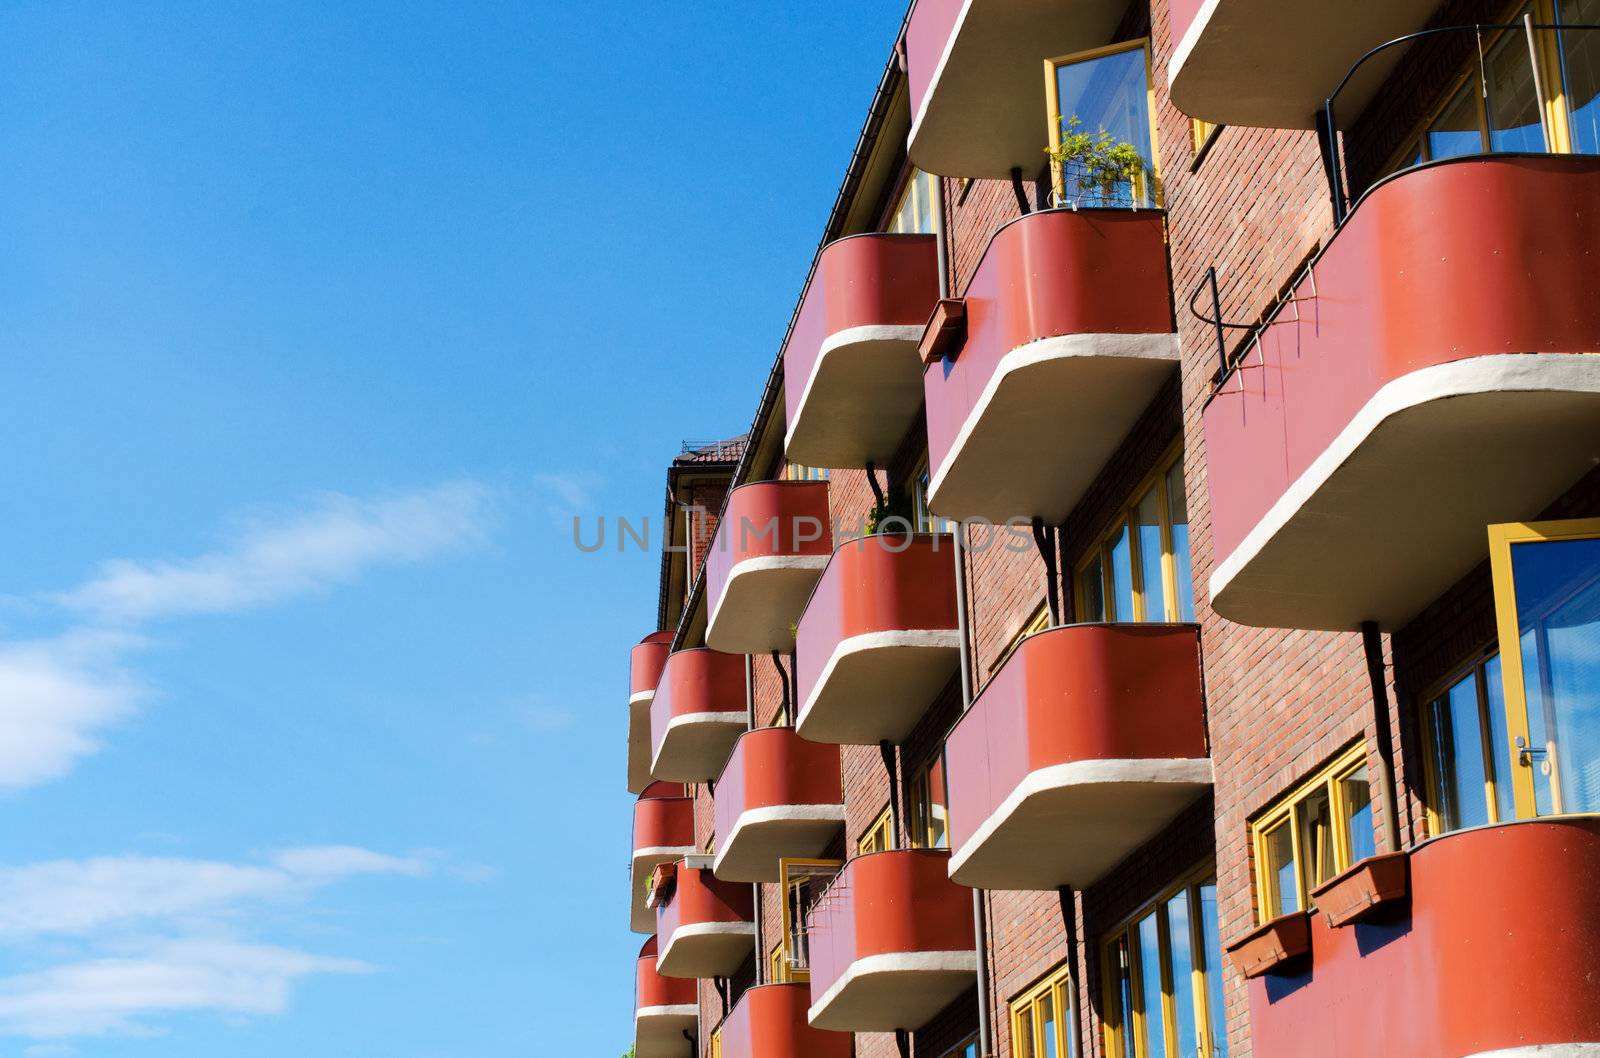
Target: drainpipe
[(964, 638), (886, 751), (941, 240), (1044, 538), (1372, 646)]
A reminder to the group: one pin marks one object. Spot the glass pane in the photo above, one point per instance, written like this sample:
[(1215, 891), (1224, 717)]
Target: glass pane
[(1149, 940), (938, 813), (1457, 746), (1147, 523), (1211, 937), (1456, 131), (1064, 1023), (1558, 614), (1512, 106), (1178, 511), (1315, 816), (1180, 942), (1094, 593), (1355, 796), (1121, 602), (1047, 1026), (1024, 1023), (1580, 72), (924, 203), (1108, 93), (1280, 864), (1123, 1016), (1499, 737)]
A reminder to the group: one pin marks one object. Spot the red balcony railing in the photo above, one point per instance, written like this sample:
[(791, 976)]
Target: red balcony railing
[(780, 796), (1495, 954), (706, 927), (853, 380), (1069, 337), (664, 1008), (645, 663), (1434, 374), (977, 95), (698, 712), (769, 1021), (890, 943), (1087, 742), (770, 548), (663, 831), (877, 640)]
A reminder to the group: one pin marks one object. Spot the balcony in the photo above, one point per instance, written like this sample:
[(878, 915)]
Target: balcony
[(1088, 741), (706, 927), (853, 380), (774, 539), (1069, 337), (698, 713), (664, 1007), (663, 831), (878, 639), (1495, 955), (1435, 375), (1271, 63), (891, 943), (769, 1021), (780, 796), (644, 673), (977, 95)]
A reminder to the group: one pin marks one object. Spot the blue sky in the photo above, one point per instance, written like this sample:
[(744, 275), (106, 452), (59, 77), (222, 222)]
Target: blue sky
[(318, 322)]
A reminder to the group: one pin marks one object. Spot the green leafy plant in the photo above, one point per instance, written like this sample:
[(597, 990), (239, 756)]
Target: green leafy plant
[(895, 504), (1101, 165)]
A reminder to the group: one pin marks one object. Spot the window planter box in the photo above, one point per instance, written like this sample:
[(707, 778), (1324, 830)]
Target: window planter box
[(1377, 882), (1266, 948)]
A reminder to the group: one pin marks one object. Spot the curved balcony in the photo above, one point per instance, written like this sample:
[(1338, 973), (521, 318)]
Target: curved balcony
[(663, 1009), (1069, 337), (698, 713), (853, 379), (877, 640), (1494, 956), (771, 545), (780, 796), (769, 1021), (977, 95), (663, 831), (1439, 378), (1271, 63), (645, 663), (706, 927), (1088, 741), (891, 943)]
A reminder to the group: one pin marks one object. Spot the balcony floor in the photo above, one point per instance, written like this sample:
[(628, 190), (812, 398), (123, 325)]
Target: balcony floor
[(903, 990), (764, 835), (877, 686), (707, 949)]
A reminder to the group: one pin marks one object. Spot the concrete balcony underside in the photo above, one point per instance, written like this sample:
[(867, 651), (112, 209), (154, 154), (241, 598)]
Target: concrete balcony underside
[(877, 686), (764, 835)]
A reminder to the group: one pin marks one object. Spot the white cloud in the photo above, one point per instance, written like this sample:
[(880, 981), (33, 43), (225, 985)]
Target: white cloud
[(56, 695), (328, 545), (573, 492)]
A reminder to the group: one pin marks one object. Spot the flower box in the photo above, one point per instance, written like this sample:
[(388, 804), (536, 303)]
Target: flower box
[(1374, 883), (1266, 948)]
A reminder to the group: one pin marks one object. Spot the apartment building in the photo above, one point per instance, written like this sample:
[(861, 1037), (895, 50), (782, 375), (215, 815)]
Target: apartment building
[(1155, 610)]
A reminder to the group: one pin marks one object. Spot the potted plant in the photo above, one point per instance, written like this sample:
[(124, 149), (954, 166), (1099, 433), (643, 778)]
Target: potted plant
[(1371, 885), (658, 887), (1098, 165), (1269, 946), (894, 505)]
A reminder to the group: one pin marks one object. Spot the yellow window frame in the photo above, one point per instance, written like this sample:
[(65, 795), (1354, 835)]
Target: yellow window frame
[(793, 873), (1038, 620), (1115, 1022), (714, 1050), (1156, 480), (1433, 768), (800, 472), (1282, 813), (918, 184), (1027, 1009), (1053, 110), (879, 837), (920, 802)]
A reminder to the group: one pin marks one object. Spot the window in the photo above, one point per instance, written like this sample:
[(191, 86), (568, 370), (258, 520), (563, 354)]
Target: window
[(1164, 979), (796, 472), (1201, 133), (800, 881), (1547, 603), (1106, 90), (776, 964), (967, 1048), (917, 212), (715, 1049), (1037, 621), (1140, 571), (879, 836), (1465, 734), (928, 800), (927, 521), (1041, 1018), (1315, 833)]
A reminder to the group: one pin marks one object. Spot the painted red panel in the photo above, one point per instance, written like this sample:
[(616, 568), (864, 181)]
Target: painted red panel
[(653, 990), (764, 519), (646, 661), (698, 896), (663, 817), (696, 681), (887, 903), (927, 35), (1081, 692), (1180, 16), (773, 766), (860, 281), (1052, 273), (1444, 262), (875, 584), (1499, 949), (769, 1021)]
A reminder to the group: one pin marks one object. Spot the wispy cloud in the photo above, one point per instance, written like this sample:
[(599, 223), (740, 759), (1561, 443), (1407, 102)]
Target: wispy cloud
[(574, 493), (328, 545), (56, 695)]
